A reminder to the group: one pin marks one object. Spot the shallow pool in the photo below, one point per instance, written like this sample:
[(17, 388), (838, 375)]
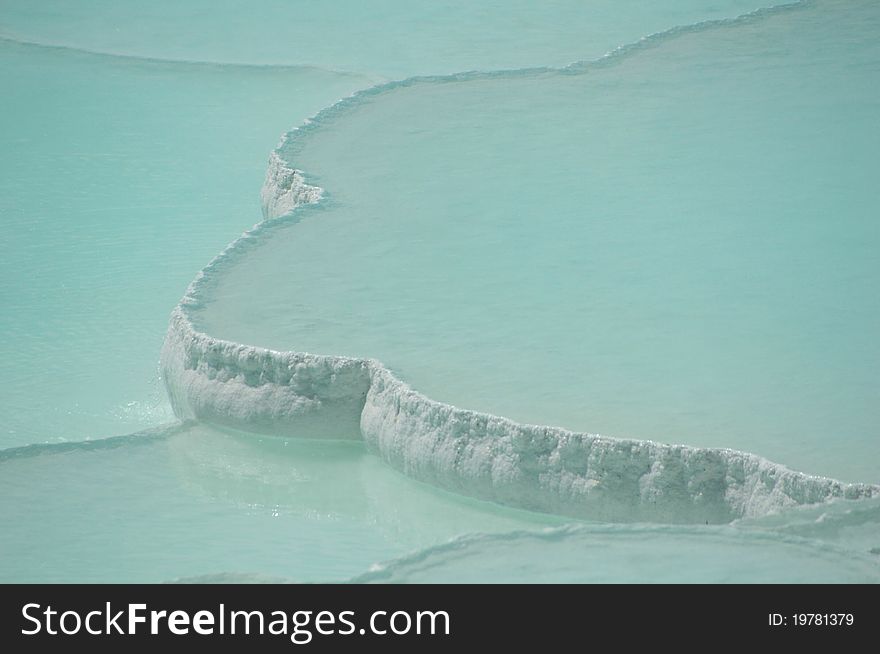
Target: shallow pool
[(651, 222)]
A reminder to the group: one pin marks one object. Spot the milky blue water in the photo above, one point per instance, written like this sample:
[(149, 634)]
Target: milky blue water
[(678, 244)]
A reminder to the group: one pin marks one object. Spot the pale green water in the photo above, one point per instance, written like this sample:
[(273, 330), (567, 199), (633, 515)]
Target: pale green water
[(118, 179), (680, 246), (195, 501), (393, 38), (525, 245), (642, 554), (202, 504)]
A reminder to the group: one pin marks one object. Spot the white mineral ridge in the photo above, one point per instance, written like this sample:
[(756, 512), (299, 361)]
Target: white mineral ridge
[(488, 457)]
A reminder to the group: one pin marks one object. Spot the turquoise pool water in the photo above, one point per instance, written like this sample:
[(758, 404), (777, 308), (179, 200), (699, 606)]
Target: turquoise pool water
[(193, 501), (117, 178), (675, 243), (665, 247), (392, 38)]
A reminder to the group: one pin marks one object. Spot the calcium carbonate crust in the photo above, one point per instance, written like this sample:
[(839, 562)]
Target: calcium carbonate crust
[(488, 457)]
